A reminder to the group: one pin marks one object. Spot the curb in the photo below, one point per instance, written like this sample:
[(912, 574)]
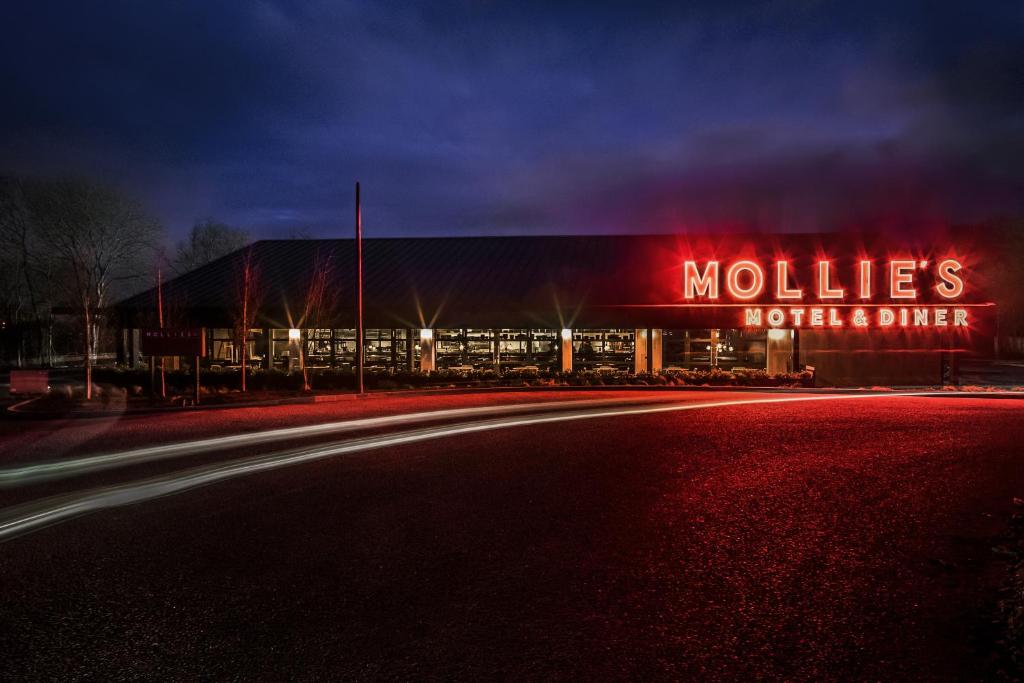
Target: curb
[(17, 412)]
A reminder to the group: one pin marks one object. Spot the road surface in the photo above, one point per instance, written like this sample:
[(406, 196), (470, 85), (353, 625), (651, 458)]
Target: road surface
[(681, 538)]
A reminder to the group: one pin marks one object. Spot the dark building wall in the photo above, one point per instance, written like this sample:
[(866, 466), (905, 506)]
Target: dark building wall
[(850, 358)]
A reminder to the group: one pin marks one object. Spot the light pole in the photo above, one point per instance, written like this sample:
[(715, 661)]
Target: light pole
[(360, 388)]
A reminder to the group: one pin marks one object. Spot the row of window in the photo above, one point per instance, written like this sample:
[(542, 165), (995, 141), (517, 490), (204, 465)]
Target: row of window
[(461, 347)]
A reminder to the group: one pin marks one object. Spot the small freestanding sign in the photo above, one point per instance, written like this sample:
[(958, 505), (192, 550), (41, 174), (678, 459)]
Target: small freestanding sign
[(171, 341)]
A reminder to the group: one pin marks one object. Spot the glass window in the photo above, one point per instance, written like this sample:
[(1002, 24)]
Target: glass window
[(544, 347), (513, 347), (449, 347), (603, 348), (742, 349), (318, 346), (726, 349), (222, 344)]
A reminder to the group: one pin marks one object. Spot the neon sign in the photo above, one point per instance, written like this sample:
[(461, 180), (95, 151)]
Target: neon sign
[(839, 297)]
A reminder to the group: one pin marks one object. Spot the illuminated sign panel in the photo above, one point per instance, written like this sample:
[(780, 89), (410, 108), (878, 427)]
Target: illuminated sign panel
[(912, 293)]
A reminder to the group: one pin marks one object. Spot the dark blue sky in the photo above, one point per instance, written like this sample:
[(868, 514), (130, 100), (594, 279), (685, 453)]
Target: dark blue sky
[(549, 117)]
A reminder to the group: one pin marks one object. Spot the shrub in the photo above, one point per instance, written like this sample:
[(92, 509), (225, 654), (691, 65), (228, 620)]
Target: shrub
[(136, 381)]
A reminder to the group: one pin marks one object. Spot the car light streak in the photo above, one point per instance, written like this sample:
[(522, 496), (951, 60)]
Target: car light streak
[(62, 469), (32, 516)]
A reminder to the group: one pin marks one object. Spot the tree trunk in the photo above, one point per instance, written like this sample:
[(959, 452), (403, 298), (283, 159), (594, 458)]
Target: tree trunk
[(48, 343), (88, 354), (303, 343), (160, 319), (243, 329), (245, 362)]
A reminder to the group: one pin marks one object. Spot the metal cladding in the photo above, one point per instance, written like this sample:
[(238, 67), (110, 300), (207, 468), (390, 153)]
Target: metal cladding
[(547, 282)]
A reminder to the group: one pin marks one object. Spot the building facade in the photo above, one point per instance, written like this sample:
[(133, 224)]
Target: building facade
[(858, 309)]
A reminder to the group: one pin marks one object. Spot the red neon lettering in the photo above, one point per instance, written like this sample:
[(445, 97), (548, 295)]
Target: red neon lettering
[(825, 289), (951, 285), (695, 284), (782, 289), (901, 280), (865, 279), (732, 280)]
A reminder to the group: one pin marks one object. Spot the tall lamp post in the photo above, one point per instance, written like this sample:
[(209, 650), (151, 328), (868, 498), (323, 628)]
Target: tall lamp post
[(360, 388)]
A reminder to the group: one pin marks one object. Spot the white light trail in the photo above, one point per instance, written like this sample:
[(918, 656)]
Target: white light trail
[(62, 469), (29, 517)]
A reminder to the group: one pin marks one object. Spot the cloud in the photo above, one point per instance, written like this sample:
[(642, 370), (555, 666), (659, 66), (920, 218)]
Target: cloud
[(476, 117)]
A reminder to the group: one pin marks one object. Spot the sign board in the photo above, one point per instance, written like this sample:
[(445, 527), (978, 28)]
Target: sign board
[(30, 381), (173, 341), (891, 293)]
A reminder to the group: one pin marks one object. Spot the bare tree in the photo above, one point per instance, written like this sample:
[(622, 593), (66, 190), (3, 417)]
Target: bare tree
[(25, 270), (317, 307), (160, 324), (206, 242), (248, 296), (103, 242)]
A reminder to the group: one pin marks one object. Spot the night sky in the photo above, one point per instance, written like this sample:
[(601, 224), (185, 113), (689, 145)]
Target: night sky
[(504, 118)]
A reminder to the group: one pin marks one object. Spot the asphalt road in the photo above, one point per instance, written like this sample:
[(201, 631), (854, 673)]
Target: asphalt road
[(818, 539)]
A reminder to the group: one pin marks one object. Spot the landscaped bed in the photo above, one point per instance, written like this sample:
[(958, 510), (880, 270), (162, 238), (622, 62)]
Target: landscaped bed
[(215, 380), (116, 389)]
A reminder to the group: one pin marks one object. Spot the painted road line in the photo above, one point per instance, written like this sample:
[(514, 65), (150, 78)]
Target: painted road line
[(29, 517)]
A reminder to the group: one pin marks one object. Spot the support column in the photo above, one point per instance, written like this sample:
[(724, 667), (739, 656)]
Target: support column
[(133, 348), (496, 348), (427, 353), (639, 351), (122, 347), (268, 348), (409, 341), (294, 349), (656, 359), (394, 351), (780, 351), (797, 364), (566, 350)]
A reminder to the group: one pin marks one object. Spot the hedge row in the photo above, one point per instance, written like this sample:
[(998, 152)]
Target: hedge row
[(216, 380)]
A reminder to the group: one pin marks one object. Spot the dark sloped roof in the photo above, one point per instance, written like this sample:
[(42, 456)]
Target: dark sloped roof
[(477, 281), (408, 282)]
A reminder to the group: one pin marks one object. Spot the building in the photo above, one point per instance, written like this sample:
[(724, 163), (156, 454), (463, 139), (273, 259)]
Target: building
[(859, 309)]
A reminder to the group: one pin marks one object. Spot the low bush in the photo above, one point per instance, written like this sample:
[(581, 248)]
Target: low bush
[(742, 378), (136, 382)]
